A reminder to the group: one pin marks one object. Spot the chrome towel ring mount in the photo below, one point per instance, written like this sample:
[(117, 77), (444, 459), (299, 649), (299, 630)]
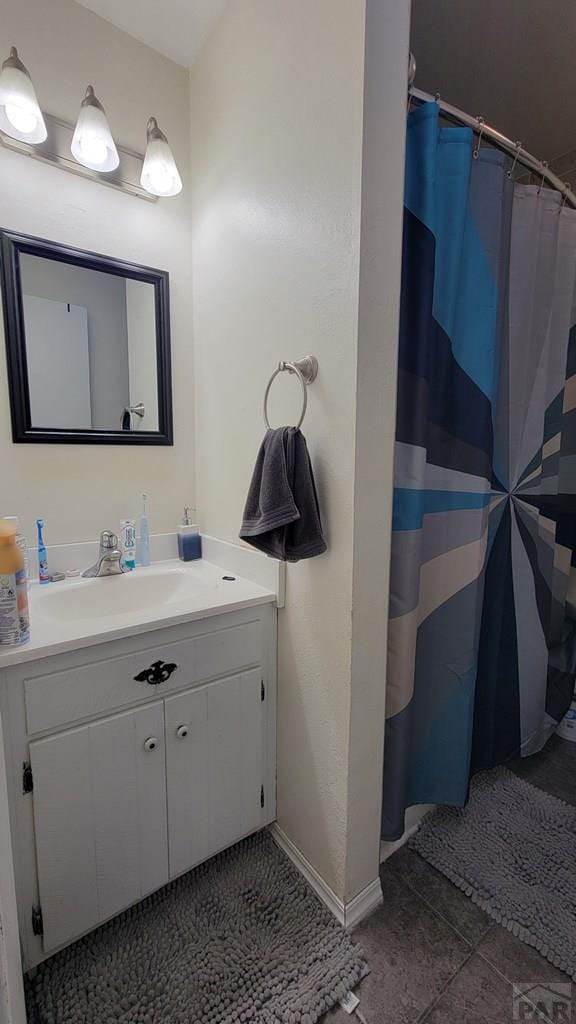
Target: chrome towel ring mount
[(306, 370)]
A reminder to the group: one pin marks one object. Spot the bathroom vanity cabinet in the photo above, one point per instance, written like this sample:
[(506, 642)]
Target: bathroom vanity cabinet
[(131, 761)]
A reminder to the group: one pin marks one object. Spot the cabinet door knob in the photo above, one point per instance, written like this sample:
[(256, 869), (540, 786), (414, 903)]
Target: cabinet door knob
[(151, 743), (182, 732)]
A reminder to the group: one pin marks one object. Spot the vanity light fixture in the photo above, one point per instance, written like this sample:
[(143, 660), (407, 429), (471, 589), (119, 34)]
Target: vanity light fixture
[(92, 142), (160, 174), (86, 148), (20, 114)]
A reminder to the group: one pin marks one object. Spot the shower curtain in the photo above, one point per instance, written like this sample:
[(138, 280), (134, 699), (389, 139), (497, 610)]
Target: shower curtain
[(481, 660)]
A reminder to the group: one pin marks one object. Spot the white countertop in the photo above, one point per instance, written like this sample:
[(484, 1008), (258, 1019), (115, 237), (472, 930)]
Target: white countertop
[(76, 613)]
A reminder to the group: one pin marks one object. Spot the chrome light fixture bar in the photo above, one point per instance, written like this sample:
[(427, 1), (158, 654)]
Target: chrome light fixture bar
[(56, 150), (20, 114)]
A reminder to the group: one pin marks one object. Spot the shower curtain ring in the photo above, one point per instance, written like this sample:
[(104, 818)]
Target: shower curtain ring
[(515, 161), (544, 165), (564, 195), (481, 122)]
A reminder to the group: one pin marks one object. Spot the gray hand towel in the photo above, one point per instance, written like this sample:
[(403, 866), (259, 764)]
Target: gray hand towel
[(281, 516)]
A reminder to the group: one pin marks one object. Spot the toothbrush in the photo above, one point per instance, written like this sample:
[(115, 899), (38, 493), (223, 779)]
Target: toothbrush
[(144, 533), (43, 574)]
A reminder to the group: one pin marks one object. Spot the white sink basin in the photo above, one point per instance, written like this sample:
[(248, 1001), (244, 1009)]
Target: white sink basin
[(107, 597), (79, 612)]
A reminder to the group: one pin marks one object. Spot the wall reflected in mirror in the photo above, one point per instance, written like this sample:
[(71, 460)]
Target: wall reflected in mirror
[(88, 345)]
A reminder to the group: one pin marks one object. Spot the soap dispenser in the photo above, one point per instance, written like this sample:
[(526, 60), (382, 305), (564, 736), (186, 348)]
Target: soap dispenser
[(189, 539)]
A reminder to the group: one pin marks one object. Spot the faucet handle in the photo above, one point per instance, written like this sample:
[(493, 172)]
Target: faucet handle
[(108, 540)]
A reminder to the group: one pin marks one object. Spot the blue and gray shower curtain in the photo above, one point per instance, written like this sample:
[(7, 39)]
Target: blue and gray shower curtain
[(481, 663)]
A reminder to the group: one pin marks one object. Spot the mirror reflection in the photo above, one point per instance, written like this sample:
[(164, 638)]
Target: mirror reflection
[(90, 347)]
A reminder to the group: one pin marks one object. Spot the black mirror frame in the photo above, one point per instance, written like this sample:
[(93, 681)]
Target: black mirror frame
[(11, 245)]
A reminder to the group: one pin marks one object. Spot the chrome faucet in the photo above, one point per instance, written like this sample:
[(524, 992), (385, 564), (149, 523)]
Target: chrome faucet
[(110, 557)]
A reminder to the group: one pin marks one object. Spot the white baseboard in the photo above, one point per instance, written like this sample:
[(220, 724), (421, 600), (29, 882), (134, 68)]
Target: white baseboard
[(363, 904), (348, 914)]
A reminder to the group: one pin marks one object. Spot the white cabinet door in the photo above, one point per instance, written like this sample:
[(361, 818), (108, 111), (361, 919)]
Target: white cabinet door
[(215, 754), (100, 820)]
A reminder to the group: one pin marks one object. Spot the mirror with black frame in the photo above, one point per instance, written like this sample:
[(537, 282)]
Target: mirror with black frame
[(88, 345)]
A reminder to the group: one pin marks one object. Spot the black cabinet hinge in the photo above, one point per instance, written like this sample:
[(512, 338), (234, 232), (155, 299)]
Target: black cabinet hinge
[(27, 777), (261, 796), (37, 921), (262, 690)]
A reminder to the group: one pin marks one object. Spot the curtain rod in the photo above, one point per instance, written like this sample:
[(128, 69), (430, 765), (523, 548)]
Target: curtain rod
[(522, 156)]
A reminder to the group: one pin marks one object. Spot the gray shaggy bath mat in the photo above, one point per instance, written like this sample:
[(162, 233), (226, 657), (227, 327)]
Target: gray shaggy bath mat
[(240, 938), (512, 849)]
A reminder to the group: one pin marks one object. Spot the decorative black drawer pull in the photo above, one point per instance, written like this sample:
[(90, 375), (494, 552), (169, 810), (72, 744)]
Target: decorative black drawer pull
[(158, 672)]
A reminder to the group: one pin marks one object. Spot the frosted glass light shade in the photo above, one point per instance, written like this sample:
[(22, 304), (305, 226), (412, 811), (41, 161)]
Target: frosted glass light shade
[(20, 114), (92, 142), (160, 174)]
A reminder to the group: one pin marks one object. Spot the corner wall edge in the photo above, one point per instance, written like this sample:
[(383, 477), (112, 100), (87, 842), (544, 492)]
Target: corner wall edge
[(348, 914)]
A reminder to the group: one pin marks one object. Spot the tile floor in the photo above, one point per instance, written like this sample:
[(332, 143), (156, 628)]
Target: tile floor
[(435, 957)]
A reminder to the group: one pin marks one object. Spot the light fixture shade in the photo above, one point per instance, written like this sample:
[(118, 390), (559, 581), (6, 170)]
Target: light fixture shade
[(160, 174), (92, 142), (20, 114)]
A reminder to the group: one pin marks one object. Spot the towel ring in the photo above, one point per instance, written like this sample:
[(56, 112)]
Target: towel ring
[(306, 370)]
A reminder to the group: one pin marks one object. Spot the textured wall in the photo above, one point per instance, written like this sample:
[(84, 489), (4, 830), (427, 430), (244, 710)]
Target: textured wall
[(65, 47), (276, 104)]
